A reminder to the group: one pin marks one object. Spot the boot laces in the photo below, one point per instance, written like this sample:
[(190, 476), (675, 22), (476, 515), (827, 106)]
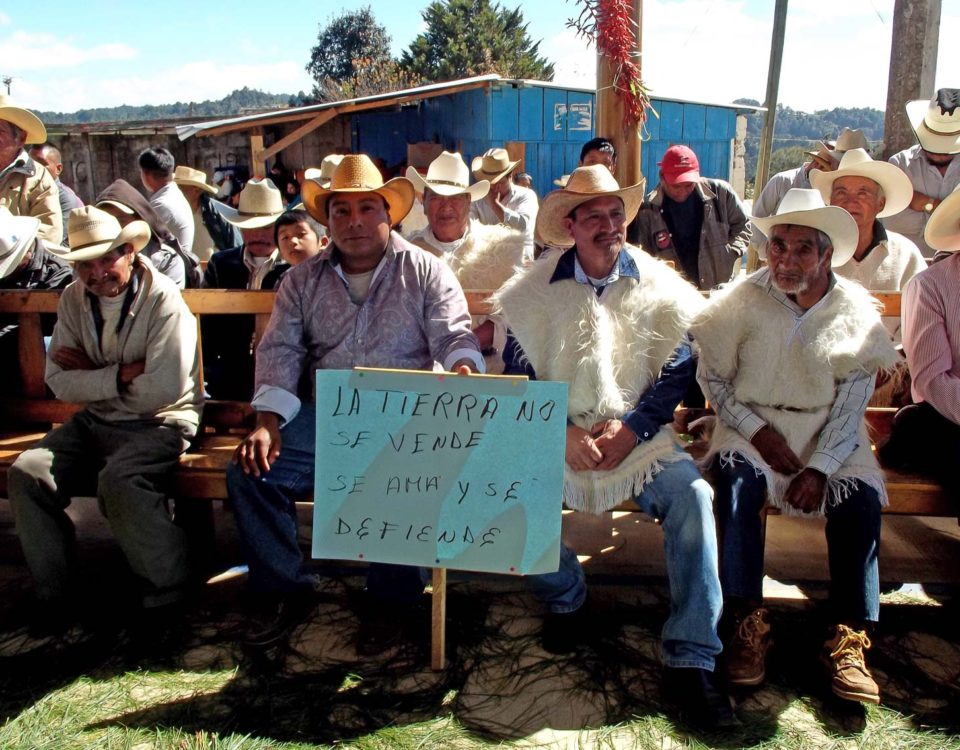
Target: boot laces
[(850, 647), (749, 631)]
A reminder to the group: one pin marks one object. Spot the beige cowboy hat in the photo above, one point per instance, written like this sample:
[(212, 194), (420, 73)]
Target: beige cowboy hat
[(846, 141), (494, 165), (562, 180), (585, 183), (937, 122), (17, 234), (23, 119), (943, 227), (806, 208), (94, 233), (896, 186), (327, 167), (448, 175), (190, 177), (260, 205), (357, 173)]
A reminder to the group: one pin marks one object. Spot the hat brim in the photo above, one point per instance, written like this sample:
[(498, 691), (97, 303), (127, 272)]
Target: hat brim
[(26, 121), (684, 177), (476, 168), (398, 193), (208, 189), (248, 221), (930, 141), (833, 221), (137, 233), (896, 186), (26, 227), (476, 191), (943, 227), (122, 207), (559, 203)]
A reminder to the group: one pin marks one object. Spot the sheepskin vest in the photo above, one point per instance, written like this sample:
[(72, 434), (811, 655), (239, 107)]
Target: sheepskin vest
[(609, 350), (786, 369), (490, 254)]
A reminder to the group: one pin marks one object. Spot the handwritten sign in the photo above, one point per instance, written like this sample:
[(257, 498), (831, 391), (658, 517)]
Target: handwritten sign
[(439, 470)]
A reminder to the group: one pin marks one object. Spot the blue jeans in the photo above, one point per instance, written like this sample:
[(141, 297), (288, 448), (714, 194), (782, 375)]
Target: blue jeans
[(853, 542), (266, 516), (683, 502)]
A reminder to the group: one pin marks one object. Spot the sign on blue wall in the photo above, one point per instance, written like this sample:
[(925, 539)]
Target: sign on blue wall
[(439, 470)]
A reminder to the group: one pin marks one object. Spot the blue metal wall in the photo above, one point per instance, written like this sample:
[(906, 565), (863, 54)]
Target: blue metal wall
[(553, 123)]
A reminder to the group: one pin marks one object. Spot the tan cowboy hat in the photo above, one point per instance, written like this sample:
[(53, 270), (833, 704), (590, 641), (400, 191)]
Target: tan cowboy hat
[(260, 205), (448, 175), (585, 183), (943, 227), (561, 181), (356, 173), (494, 165), (896, 186), (834, 150), (17, 234), (190, 177), (937, 122), (807, 209), (23, 119), (94, 233)]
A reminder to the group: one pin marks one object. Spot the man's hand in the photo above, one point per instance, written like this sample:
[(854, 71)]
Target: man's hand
[(805, 492), (69, 358), (464, 367), (261, 447), (774, 450), (920, 200), (614, 440), (582, 452), (129, 371)]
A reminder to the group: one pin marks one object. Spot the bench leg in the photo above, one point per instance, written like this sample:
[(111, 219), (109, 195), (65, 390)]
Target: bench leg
[(195, 517)]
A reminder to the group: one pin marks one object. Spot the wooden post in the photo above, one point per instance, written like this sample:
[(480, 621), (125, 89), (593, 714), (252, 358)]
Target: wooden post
[(773, 87), (258, 168), (913, 67), (438, 650)]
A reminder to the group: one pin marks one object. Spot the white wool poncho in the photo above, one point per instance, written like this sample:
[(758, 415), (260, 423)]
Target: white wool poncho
[(609, 350), (786, 370)]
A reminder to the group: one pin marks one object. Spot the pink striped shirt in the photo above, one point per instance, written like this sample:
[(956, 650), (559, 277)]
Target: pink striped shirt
[(931, 335)]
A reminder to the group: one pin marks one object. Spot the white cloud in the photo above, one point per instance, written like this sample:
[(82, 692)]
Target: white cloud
[(4, 19), (24, 52)]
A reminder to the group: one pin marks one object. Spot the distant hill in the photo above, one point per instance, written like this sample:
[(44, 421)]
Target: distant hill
[(233, 104)]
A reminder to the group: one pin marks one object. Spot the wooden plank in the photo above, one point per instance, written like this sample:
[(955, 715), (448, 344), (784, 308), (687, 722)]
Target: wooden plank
[(296, 135), (517, 151), (438, 621), (226, 301), (890, 302), (39, 301), (257, 168), (33, 357)]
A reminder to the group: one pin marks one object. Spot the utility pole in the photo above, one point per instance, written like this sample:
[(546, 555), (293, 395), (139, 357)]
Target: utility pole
[(913, 67), (7, 80), (773, 87)]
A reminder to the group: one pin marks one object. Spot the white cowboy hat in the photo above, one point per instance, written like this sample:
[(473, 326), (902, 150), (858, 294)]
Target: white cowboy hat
[(897, 188), (937, 122), (448, 175), (943, 227), (16, 236), (356, 173), (846, 141), (585, 183), (190, 177), (807, 209), (23, 119), (562, 180), (260, 204), (494, 165), (94, 233)]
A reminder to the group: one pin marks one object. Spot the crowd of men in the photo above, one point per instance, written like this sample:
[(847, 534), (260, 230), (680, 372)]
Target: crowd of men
[(788, 357)]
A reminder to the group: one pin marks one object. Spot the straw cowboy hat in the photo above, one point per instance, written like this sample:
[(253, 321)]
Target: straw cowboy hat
[(448, 175), (834, 150), (94, 233), (937, 122), (561, 181), (585, 183), (943, 227), (896, 186), (356, 173), (494, 165), (23, 119), (190, 177), (260, 205), (327, 168), (16, 237), (807, 209)]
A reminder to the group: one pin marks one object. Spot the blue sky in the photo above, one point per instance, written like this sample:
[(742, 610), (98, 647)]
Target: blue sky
[(109, 53)]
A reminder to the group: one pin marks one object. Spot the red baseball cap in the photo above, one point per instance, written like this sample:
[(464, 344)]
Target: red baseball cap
[(680, 165)]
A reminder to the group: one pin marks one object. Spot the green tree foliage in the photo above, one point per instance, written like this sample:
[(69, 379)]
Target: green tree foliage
[(350, 44), (474, 37)]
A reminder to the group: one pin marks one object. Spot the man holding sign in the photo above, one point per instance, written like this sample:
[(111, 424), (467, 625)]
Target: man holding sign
[(369, 299), (611, 321)]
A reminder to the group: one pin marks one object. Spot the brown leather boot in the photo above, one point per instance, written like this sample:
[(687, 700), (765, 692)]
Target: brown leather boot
[(745, 654), (847, 667)]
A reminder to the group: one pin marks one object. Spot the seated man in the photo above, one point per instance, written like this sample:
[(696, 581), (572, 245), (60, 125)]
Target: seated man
[(211, 232), (125, 346), (611, 322), (50, 157), (506, 202), (483, 257), (788, 358), (330, 313)]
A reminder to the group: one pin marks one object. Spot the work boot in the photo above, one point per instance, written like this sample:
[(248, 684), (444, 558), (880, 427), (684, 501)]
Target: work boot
[(745, 654), (276, 618), (563, 632), (699, 701), (846, 665)]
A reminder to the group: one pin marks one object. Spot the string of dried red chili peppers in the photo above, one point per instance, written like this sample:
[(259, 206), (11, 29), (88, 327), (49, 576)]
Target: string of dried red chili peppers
[(609, 26)]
